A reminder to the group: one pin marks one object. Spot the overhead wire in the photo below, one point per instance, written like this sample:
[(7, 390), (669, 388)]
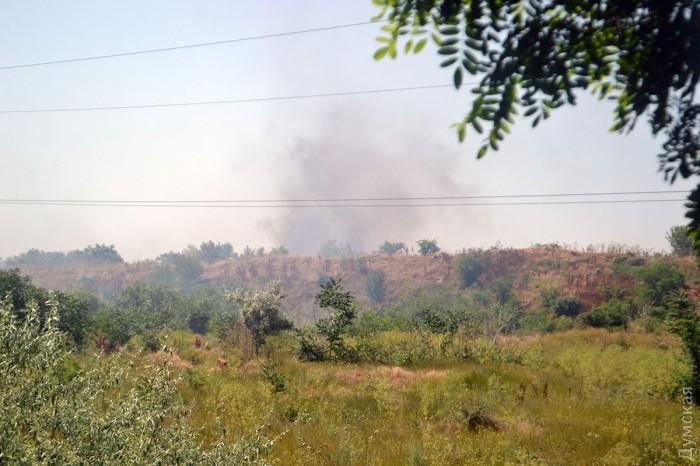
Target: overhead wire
[(348, 199), (385, 205), (188, 46)]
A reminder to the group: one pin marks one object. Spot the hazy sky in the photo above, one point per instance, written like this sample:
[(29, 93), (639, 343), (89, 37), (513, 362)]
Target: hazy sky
[(362, 146)]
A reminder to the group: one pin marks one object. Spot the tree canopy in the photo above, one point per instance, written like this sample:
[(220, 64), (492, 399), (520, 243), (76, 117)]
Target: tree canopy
[(532, 57)]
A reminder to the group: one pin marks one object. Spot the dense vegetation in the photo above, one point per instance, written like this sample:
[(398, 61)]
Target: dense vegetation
[(187, 373), (98, 254)]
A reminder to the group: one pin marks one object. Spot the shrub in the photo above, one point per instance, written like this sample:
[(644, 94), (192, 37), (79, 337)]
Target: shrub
[(261, 311), (567, 307), (177, 270), (74, 318), (659, 281), (681, 244), (99, 254), (470, 266), (337, 325), (477, 419), (392, 248), (213, 252), (613, 313), (684, 321), (151, 342), (52, 414), (198, 321), (553, 301), (276, 381), (376, 285), (308, 349), (427, 247)]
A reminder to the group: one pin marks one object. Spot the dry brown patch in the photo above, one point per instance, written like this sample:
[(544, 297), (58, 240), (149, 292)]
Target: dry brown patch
[(161, 357), (397, 376), (250, 366)]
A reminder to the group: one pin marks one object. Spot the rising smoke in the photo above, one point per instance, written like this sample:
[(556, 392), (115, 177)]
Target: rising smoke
[(345, 159)]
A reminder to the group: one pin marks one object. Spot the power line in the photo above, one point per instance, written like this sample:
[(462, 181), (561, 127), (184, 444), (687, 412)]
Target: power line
[(232, 101), (294, 206), (342, 199), (190, 46)]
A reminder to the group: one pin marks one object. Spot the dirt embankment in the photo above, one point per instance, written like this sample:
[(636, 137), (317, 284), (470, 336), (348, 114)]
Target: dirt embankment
[(584, 275)]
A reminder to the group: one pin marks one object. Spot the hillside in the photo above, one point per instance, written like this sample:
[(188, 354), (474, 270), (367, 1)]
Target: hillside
[(580, 274)]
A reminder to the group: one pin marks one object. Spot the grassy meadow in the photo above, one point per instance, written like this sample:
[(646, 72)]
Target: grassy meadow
[(582, 397), (501, 366)]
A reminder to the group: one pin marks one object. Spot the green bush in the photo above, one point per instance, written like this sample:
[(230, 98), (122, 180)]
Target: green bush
[(553, 301), (76, 309), (679, 240), (262, 312), (613, 313), (392, 248), (55, 414), (427, 247), (470, 266), (659, 281), (376, 285)]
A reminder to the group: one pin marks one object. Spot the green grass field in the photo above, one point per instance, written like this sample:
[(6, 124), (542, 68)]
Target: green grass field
[(581, 397)]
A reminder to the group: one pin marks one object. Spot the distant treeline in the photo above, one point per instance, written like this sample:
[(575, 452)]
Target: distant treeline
[(98, 254), (101, 254)]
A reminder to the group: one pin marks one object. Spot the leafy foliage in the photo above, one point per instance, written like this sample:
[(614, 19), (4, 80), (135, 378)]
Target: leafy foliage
[(470, 265), (559, 305), (684, 321), (213, 252), (680, 241), (75, 309), (376, 285), (145, 309), (533, 57), (262, 313), (99, 254), (104, 415), (613, 313), (333, 328), (392, 248), (659, 281), (178, 270), (427, 247), (276, 381)]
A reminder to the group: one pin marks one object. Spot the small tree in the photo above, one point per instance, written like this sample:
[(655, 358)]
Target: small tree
[(684, 321), (198, 321), (679, 240), (212, 252), (613, 313), (659, 281), (261, 312), (392, 248), (376, 285), (334, 327), (427, 247), (74, 318), (470, 266)]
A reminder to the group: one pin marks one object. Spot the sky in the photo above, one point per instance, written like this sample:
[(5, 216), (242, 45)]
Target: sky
[(378, 145)]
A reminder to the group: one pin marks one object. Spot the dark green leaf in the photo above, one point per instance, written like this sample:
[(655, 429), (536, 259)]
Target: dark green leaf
[(457, 78), (448, 62), (448, 50)]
